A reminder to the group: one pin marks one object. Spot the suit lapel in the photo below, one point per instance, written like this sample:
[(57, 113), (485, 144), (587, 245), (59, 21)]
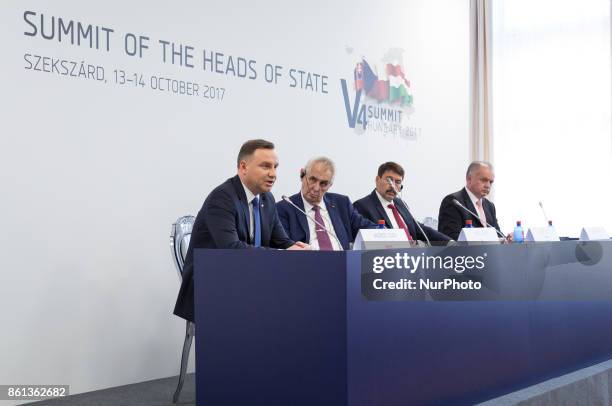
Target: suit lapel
[(243, 205), (382, 213), (263, 217), (297, 200), (487, 206), (334, 215), (408, 220)]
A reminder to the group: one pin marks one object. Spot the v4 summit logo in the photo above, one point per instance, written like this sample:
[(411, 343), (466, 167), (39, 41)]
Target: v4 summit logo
[(382, 97)]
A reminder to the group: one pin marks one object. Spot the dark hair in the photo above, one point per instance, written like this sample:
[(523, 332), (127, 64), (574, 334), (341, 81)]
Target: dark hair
[(248, 148), (390, 166)]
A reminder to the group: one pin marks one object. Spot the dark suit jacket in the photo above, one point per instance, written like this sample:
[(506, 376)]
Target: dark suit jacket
[(451, 218), (346, 220), (370, 208), (223, 222)]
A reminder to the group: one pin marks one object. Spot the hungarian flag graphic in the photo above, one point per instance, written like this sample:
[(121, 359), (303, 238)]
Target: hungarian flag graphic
[(398, 85), (394, 90)]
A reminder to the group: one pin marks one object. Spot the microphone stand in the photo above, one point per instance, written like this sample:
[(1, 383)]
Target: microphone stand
[(544, 213), (484, 223), (399, 194)]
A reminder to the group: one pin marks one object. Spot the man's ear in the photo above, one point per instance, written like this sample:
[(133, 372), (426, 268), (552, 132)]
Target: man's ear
[(302, 173), (242, 165)]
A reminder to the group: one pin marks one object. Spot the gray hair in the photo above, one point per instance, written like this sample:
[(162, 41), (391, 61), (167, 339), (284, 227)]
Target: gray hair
[(475, 165), (321, 160)]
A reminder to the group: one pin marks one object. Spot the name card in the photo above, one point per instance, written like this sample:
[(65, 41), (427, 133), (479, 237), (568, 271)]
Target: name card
[(378, 238), (542, 234), (594, 234), (478, 234)]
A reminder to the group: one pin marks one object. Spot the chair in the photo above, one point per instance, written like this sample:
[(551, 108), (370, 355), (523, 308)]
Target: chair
[(179, 242)]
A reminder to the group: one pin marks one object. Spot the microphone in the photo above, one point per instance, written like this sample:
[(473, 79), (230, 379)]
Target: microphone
[(285, 198), (389, 181), (456, 202), (544, 212)]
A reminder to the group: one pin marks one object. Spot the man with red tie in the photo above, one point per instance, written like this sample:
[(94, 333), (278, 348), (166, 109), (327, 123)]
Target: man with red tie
[(332, 222), (383, 204)]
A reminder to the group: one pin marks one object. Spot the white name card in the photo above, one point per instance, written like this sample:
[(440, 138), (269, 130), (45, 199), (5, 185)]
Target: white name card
[(594, 234), (478, 234), (542, 234), (379, 238)]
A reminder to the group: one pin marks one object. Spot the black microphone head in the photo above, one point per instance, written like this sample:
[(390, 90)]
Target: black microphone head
[(284, 197), (456, 202)]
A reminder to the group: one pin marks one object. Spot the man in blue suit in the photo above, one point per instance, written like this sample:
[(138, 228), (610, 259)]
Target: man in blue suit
[(383, 204), (238, 214), (342, 222)]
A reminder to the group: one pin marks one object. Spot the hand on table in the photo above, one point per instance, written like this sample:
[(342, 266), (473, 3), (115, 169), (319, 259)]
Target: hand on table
[(299, 246)]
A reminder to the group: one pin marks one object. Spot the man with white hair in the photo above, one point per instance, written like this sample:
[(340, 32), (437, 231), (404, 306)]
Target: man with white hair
[(478, 182), (333, 211)]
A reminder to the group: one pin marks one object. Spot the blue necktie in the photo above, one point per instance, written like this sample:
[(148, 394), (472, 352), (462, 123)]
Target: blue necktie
[(256, 222)]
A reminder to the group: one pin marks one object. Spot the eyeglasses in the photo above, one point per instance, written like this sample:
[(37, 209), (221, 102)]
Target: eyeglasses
[(398, 182), (323, 184)]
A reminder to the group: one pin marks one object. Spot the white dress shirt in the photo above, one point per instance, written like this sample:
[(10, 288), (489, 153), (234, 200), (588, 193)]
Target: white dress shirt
[(312, 227), (388, 211), (474, 200)]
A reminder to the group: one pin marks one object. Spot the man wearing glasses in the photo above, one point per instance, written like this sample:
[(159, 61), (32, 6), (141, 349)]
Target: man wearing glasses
[(331, 222), (383, 204)]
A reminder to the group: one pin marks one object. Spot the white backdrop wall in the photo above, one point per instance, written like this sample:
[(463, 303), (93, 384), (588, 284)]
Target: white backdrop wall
[(93, 173), (562, 132)]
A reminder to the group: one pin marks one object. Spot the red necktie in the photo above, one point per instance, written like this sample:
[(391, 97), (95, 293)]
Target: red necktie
[(399, 220), (324, 241)]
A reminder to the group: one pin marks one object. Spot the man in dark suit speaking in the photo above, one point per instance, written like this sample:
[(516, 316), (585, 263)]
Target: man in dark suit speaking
[(383, 204), (238, 214), (478, 182), (336, 223)]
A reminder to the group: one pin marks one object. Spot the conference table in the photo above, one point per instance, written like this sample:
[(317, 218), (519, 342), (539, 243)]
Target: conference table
[(278, 327)]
